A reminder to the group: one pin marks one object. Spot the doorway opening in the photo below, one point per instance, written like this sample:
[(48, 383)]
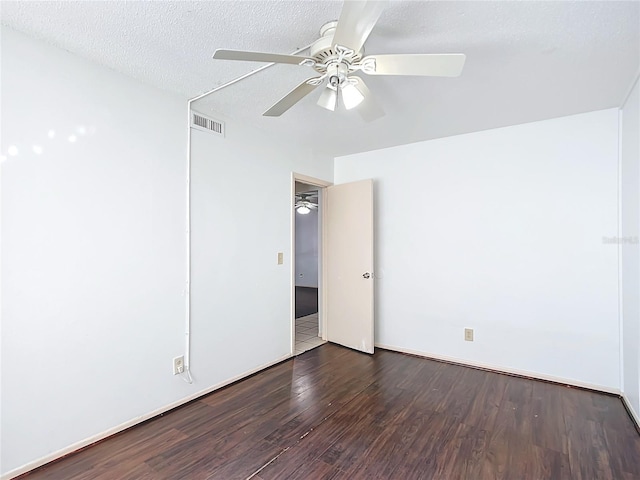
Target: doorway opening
[(307, 266)]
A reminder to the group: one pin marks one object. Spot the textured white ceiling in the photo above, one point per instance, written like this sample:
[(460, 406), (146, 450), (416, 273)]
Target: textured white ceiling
[(526, 61)]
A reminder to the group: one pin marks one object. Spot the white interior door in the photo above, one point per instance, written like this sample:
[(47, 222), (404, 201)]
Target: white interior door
[(349, 265)]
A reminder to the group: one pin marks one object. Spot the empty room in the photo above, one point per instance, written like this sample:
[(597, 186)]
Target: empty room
[(471, 172)]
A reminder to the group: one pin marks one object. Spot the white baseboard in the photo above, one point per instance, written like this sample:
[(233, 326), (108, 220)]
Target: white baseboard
[(130, 423), (634, 415), (502, 369)]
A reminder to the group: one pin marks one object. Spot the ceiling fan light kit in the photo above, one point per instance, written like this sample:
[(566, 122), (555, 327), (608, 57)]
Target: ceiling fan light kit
[(338, 56), (329, 99), (351, 96), (304, 204)]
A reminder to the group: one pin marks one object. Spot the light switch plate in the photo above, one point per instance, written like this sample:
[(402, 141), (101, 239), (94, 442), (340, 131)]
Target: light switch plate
[(280, 258)]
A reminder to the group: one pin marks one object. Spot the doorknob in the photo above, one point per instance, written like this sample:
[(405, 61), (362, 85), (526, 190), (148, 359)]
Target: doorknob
[(366, 275)]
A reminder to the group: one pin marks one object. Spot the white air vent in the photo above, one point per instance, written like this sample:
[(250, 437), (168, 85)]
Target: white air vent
[(207, 124)]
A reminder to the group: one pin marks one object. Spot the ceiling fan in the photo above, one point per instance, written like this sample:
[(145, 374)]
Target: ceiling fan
[(339, 54), (304, 203)]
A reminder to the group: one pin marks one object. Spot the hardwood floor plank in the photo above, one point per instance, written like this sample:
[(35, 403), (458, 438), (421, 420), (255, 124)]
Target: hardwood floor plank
[(135, 471), (192, 458), (422, 456), (511, 437), (316, 469), (548, 423), (324, 400), (461, 394), (484, 410), (242, 466), (363, 421), (332, 413), (586, 456), (626, 441), (389, 449), (141, 449)]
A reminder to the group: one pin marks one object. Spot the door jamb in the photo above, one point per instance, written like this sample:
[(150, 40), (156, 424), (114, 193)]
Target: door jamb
[(322, 184)]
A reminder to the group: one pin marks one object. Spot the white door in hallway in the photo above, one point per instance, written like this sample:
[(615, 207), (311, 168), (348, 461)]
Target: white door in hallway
[(349, 265)]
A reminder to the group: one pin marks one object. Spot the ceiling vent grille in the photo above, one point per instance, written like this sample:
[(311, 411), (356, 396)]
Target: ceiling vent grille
[(207, 124)]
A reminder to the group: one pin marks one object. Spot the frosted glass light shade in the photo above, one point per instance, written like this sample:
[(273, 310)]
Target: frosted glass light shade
[(351, 96), (328, 99)]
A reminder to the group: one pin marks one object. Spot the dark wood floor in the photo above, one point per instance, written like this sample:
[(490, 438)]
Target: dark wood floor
[(335, 413), (306, 301)]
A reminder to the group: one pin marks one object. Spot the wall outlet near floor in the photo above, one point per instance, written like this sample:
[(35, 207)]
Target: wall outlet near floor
[(280, 258), (178, 365), (468, 334)]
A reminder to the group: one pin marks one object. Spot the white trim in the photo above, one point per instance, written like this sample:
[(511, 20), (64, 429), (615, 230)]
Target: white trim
[(620, 287), (501, 369), (130, 423), (292, 264), (322, 301), (316, 182), (634, 415)]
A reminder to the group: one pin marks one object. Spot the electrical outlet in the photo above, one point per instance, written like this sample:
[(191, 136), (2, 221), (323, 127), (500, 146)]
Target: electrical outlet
[(468, 334), (178, 365), (280, 258)]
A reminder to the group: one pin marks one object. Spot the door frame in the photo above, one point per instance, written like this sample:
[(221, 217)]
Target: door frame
[(322, 185)]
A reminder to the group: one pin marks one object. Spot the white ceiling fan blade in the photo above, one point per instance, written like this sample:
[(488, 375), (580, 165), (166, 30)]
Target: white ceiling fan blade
[(357, 19), (426, 64), (369, 109), (291, 98), (328, 99), (222, 54)]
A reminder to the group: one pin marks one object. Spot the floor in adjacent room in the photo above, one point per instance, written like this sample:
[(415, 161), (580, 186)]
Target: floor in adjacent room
[(306, 299), (307, 333), (333, 413)]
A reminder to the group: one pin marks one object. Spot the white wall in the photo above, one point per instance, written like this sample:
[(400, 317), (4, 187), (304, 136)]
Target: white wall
[(93, 251), (307, 249), (630, 210), (501, 231), (240, 315)]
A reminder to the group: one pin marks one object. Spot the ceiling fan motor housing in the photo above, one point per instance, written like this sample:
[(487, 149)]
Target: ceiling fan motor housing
[(324, 52)]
